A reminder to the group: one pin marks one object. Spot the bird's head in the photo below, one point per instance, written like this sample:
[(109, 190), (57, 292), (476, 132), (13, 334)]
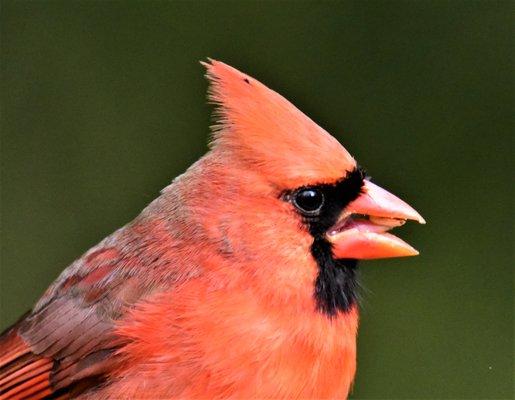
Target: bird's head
[(288, 197)]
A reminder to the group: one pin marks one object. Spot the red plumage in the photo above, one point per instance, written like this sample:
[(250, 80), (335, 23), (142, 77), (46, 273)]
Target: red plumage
[(215, 289)]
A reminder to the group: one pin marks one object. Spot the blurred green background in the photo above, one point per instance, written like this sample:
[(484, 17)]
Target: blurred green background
[(103, 103)]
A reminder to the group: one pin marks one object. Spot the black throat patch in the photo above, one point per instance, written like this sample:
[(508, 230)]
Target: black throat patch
[(336, 284)]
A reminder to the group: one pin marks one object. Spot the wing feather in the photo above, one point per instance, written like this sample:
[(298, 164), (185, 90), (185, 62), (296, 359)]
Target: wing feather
[(68, 343)]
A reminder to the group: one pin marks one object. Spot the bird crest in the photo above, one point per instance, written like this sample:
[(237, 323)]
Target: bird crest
[(264, 129)]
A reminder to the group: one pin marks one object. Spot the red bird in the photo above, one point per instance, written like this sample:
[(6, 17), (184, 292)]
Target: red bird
[(238, 281)]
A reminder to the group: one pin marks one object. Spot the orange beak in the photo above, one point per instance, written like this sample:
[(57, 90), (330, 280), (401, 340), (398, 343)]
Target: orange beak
[(360, 232)]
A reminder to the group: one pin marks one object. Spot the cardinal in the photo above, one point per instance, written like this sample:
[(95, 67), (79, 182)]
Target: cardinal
[(239, 281)]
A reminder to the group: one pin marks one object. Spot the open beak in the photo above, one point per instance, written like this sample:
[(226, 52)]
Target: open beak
[(361, 230)]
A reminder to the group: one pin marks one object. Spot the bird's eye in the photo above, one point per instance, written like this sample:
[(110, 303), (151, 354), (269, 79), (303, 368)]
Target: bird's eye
[(309, 201)]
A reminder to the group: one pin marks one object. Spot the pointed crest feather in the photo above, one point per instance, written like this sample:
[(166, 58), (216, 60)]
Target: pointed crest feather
[(264, 129)]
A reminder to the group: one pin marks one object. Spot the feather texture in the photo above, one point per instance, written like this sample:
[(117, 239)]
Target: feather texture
[(209, 292)]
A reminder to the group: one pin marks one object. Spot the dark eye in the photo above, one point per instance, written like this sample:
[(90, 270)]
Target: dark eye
[(309, 201)]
